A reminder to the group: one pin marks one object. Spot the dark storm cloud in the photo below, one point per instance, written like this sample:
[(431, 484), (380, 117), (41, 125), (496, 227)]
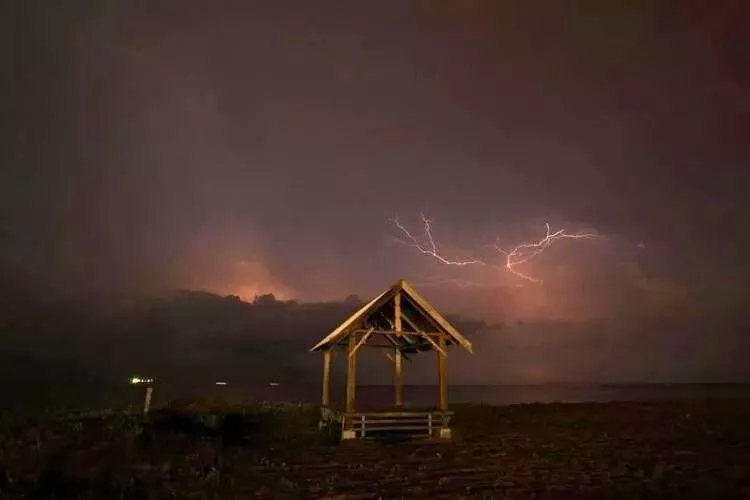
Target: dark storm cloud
[(199, 336)]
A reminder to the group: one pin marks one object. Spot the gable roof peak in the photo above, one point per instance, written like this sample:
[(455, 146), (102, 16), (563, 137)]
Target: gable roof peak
[(380, 302)]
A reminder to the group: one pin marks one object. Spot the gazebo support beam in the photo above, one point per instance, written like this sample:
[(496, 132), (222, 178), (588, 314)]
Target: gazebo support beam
[(326, 397), (398, 387), (402, 333), (351, 374), (438, 347), (398, 381), (442, 378), (409, 322), (364, 338)]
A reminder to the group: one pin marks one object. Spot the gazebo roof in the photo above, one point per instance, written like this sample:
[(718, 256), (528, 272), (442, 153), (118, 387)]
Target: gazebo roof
[(417, 316)]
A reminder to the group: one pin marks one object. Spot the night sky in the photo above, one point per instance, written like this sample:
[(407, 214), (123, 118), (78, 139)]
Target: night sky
[(265, 147)]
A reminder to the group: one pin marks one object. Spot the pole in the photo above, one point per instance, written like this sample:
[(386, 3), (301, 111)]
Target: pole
[(326, 398), (442, 378), (351, 373), (398, 387), (147, 400)]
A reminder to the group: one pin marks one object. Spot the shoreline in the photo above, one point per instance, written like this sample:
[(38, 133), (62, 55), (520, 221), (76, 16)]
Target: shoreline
[(39, 398)]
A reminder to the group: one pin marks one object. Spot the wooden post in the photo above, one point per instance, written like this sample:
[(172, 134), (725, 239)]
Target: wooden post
[(351, 373), (147, 400), (398, 387), (442, 378), (326, 399), (397, 312), (398, 384)]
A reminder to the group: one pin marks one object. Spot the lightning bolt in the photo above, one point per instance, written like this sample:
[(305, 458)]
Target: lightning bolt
[(527, 251), (430, 250), (514, 257)]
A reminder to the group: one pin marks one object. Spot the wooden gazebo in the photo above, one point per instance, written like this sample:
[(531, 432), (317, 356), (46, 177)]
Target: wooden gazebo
[(401, 323)]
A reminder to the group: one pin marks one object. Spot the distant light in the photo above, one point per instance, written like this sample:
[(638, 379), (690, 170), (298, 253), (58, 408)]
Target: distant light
[(221, 383), (139, 380)]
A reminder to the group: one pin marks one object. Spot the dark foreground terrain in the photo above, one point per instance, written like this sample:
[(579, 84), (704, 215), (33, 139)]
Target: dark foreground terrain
[(695, 449)]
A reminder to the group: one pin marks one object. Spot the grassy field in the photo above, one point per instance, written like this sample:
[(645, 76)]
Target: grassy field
[(688, 449)]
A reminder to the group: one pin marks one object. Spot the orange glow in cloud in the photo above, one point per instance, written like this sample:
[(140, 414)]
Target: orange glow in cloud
[(244, 279), (227, 261), (248, 279)]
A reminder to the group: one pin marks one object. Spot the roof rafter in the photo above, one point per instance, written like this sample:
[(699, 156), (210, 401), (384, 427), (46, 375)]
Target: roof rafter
[(374, 309)]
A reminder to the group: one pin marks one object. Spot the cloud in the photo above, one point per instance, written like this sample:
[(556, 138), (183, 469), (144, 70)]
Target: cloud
[(189, 338), (228, 260)]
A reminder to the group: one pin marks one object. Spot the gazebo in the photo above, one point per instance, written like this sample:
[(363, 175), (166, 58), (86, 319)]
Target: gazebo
[(402, 323)]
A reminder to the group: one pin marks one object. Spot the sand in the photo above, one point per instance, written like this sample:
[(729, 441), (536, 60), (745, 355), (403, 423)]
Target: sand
[(685, 449)]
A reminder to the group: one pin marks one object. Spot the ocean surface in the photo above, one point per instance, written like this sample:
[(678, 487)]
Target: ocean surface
[(426, 396), (36, 399)]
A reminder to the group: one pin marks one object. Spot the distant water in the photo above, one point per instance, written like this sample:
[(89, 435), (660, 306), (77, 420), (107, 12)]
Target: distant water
[(425, 396), (95, 397)]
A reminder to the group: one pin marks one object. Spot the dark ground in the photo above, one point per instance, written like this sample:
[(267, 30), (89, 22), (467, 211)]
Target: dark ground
[(680, 449)]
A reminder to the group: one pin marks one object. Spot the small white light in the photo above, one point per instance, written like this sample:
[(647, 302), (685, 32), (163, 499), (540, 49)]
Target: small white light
[(221, 383), (138, 380)]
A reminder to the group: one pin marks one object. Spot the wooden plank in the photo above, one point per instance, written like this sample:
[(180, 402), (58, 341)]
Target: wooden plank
[(407, 340), (398, 382), (424, 313), (367, 428), (410, 418), (352, 320), (395, 421), (398, 391), (389, 414), (389, 338), (358, 426), (405, 333), (397, 313), (402, 333), (442, 376), (326, 397), (435, 316), (147, 400), (370, 344), (351, 375), (396, 345), (436, 345), (364, 338), (410, 322)]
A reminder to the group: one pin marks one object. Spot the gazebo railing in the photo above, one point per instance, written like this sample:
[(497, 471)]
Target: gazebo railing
[(415, 423)]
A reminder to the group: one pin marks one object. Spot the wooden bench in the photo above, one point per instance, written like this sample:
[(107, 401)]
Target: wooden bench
[(380, 424)]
